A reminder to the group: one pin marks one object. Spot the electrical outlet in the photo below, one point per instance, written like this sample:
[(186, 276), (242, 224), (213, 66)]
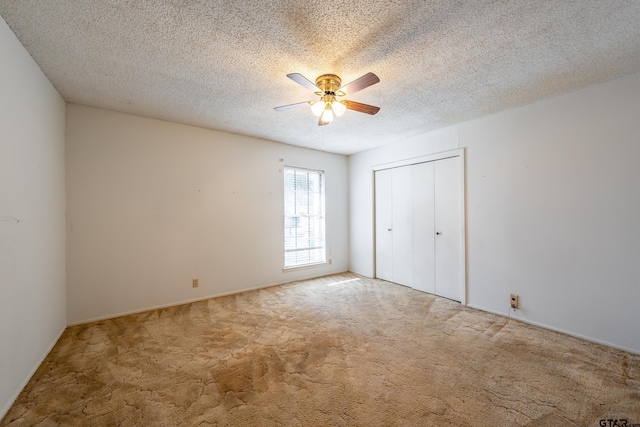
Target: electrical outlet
[(195, 283), (514, 300)]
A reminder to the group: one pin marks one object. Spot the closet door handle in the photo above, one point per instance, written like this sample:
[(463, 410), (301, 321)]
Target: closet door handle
[(389, 229), (438, 233)]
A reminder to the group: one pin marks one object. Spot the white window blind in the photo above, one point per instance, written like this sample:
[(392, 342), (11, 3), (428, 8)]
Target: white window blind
[(304, 234)]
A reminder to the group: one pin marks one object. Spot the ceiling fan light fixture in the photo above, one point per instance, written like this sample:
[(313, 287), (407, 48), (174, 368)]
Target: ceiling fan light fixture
[(338, 108), (327, 114), (317, 108)]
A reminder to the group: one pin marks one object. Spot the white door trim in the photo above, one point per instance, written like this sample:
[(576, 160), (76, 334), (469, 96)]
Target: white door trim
[(458, 152)]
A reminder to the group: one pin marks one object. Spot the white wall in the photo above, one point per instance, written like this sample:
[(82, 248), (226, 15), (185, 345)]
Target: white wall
[(152, 205), (32, 207), (553, 204)]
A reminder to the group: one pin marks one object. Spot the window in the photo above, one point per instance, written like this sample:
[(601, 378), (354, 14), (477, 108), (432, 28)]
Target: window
[(304, 238)]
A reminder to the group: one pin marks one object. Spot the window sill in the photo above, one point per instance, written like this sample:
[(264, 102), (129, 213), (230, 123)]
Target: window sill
[(305, 266)]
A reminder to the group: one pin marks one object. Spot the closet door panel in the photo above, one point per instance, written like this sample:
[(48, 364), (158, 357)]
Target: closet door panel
[(448, 220), (402, 226), (423, 195), (384, 224)]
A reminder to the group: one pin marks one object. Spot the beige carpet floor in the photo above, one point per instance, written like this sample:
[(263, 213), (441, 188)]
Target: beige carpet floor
[(336, 351)]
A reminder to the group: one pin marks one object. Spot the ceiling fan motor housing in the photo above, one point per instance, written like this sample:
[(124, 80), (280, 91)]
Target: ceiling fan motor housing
[(329, 83)]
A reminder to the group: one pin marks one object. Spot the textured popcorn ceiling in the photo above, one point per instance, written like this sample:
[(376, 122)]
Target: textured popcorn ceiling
[(223, 64)]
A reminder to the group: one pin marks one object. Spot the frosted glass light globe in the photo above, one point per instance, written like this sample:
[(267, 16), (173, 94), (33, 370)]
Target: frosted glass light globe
[(317, 108), (338, 108)]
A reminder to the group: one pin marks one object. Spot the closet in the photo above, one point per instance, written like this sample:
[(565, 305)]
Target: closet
[(419, 224)]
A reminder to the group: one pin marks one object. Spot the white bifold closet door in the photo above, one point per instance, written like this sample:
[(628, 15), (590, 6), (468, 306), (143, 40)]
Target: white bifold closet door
[(384, 224), (419, 226), (394, 231), (402, 230), (423, 224), (448, 224)]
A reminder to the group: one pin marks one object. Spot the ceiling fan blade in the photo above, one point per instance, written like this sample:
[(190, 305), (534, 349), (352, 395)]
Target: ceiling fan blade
[(362, 108), (360, 83), (322, 122), (302, 81), (291, 106)]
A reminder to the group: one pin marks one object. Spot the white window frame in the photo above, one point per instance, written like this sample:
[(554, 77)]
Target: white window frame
[(310, 224)]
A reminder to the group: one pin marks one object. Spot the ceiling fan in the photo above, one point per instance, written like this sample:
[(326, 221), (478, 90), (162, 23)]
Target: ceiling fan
[(328, 88)]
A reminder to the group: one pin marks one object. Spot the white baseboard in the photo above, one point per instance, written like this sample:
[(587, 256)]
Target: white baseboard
[(562, 331), (189, 301), (11, 401)]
